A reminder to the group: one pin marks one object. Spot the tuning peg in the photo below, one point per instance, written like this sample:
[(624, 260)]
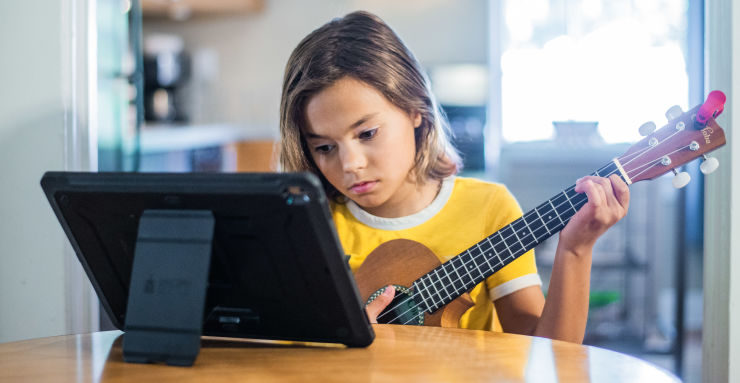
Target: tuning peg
[(681, 179), (709, 165), (647, 128), (673, 112)]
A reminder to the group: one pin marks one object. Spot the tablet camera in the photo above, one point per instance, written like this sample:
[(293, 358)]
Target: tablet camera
[(296, 195)]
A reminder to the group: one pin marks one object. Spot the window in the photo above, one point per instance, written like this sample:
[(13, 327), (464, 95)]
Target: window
[(620, 63)]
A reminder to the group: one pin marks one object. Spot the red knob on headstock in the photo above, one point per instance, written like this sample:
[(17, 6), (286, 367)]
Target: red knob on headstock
[(711, 108)]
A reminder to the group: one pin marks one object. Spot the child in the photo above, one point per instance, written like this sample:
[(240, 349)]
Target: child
[(357, 110)]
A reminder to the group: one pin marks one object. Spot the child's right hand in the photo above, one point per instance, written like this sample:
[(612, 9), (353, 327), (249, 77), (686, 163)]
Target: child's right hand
[(381, 302)]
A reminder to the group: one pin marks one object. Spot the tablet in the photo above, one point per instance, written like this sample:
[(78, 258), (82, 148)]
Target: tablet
[(277, 269)]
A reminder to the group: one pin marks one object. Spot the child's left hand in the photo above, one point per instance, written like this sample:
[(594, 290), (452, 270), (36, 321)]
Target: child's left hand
[(608, 201)]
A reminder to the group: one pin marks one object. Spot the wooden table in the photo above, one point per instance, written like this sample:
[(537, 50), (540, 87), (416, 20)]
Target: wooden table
[(399, 353)]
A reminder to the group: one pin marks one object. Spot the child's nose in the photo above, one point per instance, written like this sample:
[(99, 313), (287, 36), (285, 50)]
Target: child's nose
[(352, 159)]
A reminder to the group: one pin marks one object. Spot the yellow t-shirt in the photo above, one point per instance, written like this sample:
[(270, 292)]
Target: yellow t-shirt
[(465, 211)]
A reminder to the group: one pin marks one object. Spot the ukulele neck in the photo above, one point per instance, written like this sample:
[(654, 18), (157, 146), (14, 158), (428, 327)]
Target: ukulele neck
[(448, 281)]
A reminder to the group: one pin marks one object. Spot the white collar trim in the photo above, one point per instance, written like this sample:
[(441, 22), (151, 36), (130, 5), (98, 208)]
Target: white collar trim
[(409, 221)]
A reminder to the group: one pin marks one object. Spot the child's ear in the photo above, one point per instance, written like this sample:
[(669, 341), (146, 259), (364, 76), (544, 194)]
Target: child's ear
[(417, 119)]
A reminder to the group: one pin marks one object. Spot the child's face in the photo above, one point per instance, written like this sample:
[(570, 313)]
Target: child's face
[(363, 145)]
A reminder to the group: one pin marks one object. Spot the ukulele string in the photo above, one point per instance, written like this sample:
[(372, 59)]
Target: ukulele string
[(652, 147), (629, 157), (656, 162), (580, 197)]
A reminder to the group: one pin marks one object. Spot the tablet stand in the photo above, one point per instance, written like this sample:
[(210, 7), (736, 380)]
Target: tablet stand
[(164, 316)]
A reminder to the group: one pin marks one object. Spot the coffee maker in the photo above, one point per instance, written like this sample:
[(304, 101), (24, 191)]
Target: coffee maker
[(166, 70)]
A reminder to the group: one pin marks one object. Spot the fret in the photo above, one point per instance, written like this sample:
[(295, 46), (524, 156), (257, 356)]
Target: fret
[(579, 199), (468, 270), (525, 236), (543, 217), (503, 240), (508, 233), (555, 211), (498, 257), (514, 230), (606, 170), (480, 273), (430, 291), (454, 268), (571, 203), (563, 208), (422, 288), (540, 234), (529, 224), (466, 274), (444, 295), (490, 246), (444, 285), (457, 282), (451, 271), (500, 264), (448, 282), (450, 279), (481, 266), (543, 221), (496, 253), (430, 294), (553, 224), (435, 280), (419, 288), (609, 169), (500, 246), (484, 256)]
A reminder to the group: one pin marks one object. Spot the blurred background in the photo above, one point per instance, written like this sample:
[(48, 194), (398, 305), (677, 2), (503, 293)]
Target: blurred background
[(538, 94)]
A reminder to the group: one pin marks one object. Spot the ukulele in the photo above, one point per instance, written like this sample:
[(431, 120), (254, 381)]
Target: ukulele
[(434, 294)]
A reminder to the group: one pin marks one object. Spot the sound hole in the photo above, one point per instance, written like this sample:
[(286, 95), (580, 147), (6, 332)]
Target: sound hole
[(402, 310)]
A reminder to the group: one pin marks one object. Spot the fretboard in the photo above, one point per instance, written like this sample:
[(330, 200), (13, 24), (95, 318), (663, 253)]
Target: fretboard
[(448, 281)]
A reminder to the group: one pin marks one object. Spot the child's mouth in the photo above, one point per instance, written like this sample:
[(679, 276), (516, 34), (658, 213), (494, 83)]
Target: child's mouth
[(362, 187)]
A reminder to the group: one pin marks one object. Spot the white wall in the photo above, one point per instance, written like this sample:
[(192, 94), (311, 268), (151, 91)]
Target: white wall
[(253, 49), (32, 302)]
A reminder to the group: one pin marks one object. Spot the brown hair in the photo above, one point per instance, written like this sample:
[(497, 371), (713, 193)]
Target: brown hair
[(362, 46)]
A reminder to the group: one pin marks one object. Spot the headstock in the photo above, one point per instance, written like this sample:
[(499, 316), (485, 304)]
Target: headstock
[(687, 136)]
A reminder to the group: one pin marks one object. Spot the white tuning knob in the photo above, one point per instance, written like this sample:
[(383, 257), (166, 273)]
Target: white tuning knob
[(673, 112), (709, 165), (647, 128), (681, 179)]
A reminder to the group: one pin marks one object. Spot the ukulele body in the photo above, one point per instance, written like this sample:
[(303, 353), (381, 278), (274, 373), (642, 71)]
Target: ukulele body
[(400, 262)]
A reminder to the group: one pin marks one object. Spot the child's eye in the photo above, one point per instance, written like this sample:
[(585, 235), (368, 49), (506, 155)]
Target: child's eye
[(368, 134), (323, 149)]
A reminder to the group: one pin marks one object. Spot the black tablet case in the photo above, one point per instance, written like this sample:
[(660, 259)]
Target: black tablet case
[(277, 270)]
